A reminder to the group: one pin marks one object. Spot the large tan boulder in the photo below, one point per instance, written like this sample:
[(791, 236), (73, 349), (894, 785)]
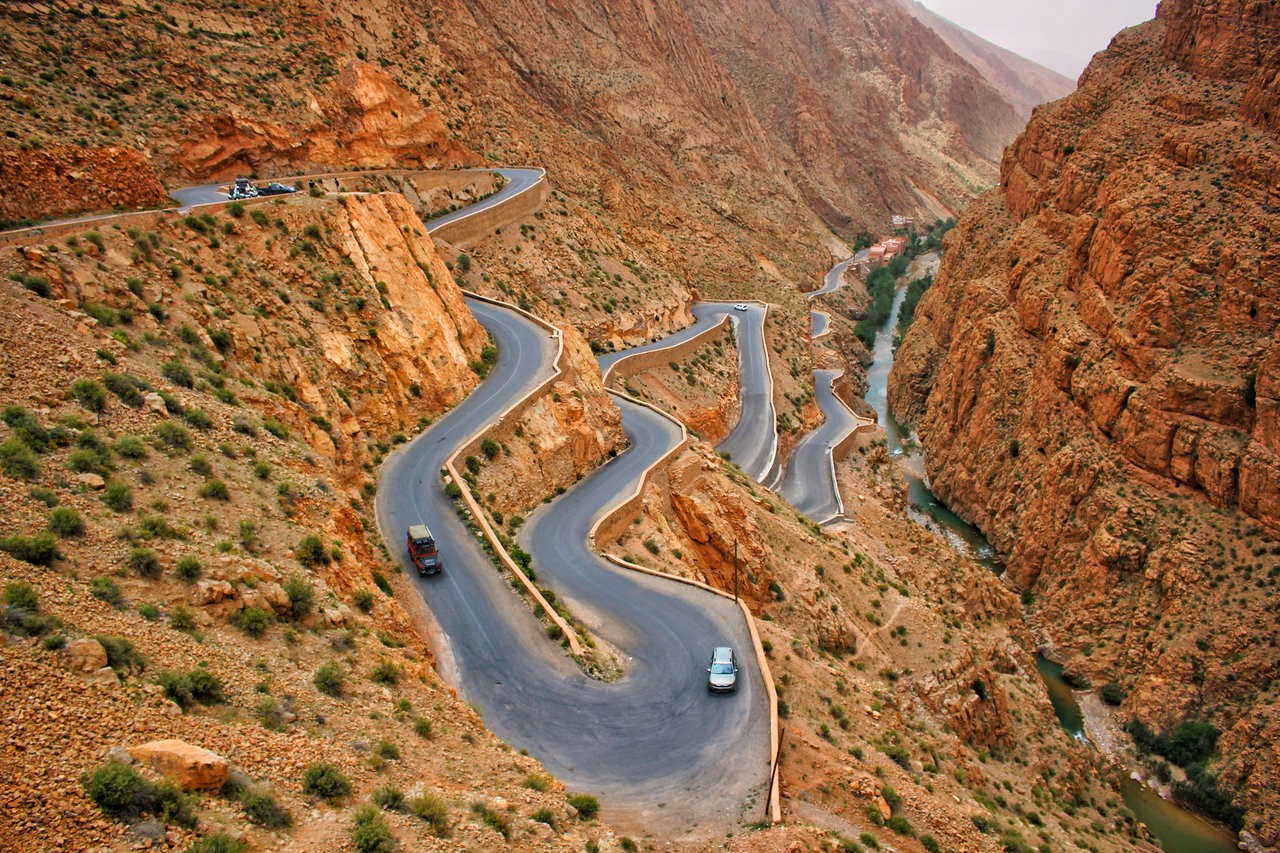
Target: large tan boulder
[(189, 766), (86, 655)]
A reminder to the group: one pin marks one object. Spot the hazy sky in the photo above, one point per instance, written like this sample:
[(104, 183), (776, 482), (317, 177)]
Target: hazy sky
[(1061, 34)]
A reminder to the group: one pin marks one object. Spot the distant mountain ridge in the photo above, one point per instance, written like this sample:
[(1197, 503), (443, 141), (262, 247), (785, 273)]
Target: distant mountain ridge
[(1024, 83)]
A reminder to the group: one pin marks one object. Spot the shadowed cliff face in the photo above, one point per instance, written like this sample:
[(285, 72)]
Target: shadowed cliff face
[(1096, 374)]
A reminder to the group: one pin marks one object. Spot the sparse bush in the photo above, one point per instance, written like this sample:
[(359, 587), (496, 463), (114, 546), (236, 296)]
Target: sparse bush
[(310, 551), (260, 807), (177, 373), (46, 496), (118, 496), (536, 783), (145, 562), (17, 460), (215, 489), (128, 388), (387, 750), (118, 789), (325, 780), (253, 620), (188, 568), (22, 596), (491, 818), (276, 428), (386, 672), (89, 394), (131, 447), (40, 549), (173, 436), (587, 805), (329, 679), (432, 810), (105, 589), (1112, 694), (371, 833), (219, 842), (261, 470), (388, 797), (363, 600), (198, 418), (65, 521), (121, 655), (422, 727), (301, 595), (200, 464), (181, 619), (544, 815)]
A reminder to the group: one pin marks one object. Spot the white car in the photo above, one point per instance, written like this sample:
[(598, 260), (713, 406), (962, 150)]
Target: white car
[(722, 672), (741, 306)]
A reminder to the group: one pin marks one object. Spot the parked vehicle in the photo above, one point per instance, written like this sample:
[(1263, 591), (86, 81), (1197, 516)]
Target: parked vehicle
[(242, 188), (722, 673), (741, 306), (422, 550), (275, 188)]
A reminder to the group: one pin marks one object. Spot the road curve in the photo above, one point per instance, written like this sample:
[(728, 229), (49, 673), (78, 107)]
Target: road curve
[(809, 480), (753, 443)]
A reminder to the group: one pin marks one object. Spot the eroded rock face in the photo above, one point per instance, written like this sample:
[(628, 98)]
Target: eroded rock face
[(1095, 376)]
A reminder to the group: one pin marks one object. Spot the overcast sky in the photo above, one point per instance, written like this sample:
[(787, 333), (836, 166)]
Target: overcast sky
[(1061, 34)]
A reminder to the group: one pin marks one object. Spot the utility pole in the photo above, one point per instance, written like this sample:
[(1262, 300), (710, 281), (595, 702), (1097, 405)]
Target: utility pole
[(735, 569)]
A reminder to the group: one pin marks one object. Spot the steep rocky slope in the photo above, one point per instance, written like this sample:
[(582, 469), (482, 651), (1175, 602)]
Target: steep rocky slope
[(1023, 83), (192, 411), (1094, 378)]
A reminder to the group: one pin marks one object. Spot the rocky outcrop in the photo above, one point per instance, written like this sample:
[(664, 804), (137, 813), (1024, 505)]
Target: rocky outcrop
[(60, 180), (192, 767), (365, 120), (1095, 375)]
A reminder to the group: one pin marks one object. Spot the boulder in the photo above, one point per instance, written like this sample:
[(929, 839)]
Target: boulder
[(93, 481), (153, 402), (103, 677), (190, 766), (213, 592), (275, 597), (86, 655)]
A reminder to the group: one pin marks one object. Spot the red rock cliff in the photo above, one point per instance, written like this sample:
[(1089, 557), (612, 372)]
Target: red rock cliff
[(1096, 375)]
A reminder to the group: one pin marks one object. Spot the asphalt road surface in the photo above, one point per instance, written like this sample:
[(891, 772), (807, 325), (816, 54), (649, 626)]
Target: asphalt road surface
[(809, 481), (835, 276), (753, 443), (655, 743), (819, 324)]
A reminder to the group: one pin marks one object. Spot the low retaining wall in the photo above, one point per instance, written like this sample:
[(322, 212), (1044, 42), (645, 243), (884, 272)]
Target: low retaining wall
[(629, 366), (463, 232), (575, 648)]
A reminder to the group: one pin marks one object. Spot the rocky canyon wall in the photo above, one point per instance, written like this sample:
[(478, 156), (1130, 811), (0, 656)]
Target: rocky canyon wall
[(1095, 375)]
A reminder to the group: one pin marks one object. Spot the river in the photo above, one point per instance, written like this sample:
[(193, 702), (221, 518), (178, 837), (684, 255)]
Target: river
[(1176, 829)]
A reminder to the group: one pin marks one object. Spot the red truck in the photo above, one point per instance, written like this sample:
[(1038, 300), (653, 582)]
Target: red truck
[(422, 550)]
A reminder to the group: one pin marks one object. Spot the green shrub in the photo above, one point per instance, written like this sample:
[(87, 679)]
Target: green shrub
[(371, 833), (40, 549), (198, 418), (276, 428), (494, 820), (301, 595), (26, 427), (219, 842), (105, 589), (899, 825), (53, 642), (188, 568), (148, 611), (388, 797), (385, 672), (1112, 694), (260, 807), (432, 810), (261, 470), (181, 619), (89, 394), (489, 448), (387, 749), (587, 805), (173, 436), (22, 596), (65, 521), (117, 789), (131, 447), (325, 780), (215, 489), (200, 464), (118, 496), (544, 815), (928, 842), (422, 727), (17, 460), (121, 655), (253, 620), (310, 551), (536, 783), (145, 562), (48, 497), (86, 461), (127, 388), (177, 373), (381, 582), (363, 600), (329, 679)]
